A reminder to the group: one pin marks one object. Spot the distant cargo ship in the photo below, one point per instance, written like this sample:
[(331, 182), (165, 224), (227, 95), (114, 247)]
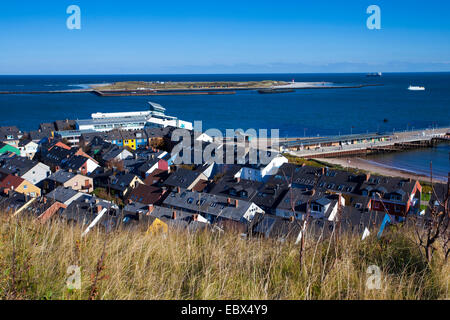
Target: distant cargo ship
[(416, 88), (272, 90), (374, 74)]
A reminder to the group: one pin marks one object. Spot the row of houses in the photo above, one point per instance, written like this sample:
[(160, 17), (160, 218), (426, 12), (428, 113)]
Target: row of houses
[(101, 182)]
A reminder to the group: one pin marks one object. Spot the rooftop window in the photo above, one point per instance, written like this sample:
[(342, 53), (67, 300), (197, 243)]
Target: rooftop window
[(200, 202)]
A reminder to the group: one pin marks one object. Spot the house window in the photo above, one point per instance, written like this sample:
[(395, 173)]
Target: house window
[(376, 205), (190, 200), (397, 208), (315, 207), (200, 202)]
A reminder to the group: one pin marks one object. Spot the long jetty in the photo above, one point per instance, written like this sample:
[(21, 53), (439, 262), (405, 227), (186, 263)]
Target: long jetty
[(398, 141)]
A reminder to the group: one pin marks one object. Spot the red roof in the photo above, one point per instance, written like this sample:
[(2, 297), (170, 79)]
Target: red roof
[(156, 176), (146, 194), (11, 181), (59, 144)]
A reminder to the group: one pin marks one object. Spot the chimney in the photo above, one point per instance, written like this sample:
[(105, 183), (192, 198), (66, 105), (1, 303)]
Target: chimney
[(367, 176), (178, 190), (236, 203), (150, 208), (228, 201), (323, 171), (174, 214), (291, 218), (44, 199), (313, 192), (195, 217), (99, 208)]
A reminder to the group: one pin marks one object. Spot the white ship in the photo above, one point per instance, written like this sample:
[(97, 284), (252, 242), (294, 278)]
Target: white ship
[(416, 88)]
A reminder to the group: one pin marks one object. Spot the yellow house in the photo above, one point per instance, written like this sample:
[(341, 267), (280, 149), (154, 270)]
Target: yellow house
[(15, 183), (131, 143), (157, 226), (29, 189)]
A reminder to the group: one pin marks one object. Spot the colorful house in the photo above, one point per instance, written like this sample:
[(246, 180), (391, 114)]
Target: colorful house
[(156, 226), (15, 183), (4, 148)]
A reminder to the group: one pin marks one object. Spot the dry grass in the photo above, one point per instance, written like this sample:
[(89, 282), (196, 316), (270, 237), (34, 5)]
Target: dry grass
[(34, 259)]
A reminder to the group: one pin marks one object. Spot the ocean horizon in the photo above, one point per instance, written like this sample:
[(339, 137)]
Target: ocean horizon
[(306, 112)]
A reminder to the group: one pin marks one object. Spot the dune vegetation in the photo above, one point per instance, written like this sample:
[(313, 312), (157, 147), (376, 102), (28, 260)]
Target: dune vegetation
[(35, 257)]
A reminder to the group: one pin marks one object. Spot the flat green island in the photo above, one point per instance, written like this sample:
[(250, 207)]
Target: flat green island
[(169, 85)]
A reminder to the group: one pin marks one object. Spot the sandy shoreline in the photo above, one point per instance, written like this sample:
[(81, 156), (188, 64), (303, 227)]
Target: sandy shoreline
[(362, 164)]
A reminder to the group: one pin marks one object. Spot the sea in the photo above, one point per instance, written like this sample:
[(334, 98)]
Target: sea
[(311, 112)]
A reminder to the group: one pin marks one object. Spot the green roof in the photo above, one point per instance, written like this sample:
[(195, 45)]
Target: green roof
[(8, 148)]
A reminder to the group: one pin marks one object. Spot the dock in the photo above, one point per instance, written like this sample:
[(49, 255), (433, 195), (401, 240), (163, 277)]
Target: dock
[(157, 93), (365, 144)]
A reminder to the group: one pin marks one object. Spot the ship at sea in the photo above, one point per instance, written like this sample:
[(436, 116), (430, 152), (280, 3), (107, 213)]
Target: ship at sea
[(374, 74), (416, 88), (275, 90)]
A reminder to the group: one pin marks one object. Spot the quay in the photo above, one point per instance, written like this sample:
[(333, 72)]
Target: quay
[(49, 92), (364, 144), (157, 93)]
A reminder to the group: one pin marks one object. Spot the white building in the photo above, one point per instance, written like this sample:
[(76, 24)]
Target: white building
[(37, 173), (260, 171), (135, 120), (28, 149)]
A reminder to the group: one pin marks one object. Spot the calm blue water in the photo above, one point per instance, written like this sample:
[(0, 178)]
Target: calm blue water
[(310, 112), (418, 161)]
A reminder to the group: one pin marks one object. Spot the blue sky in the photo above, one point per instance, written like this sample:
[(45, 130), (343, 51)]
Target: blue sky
[(223, 37)]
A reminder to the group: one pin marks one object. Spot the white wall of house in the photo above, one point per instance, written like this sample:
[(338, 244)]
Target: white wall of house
[(274, 165), (38, 173), (251, 211), (125, 154), (334, 212), (29, 150), (263, 172), (91, 166), (208, 172), (153, 168)]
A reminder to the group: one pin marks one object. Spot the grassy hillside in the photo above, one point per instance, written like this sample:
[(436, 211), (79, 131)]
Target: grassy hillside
[(123, 265)]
